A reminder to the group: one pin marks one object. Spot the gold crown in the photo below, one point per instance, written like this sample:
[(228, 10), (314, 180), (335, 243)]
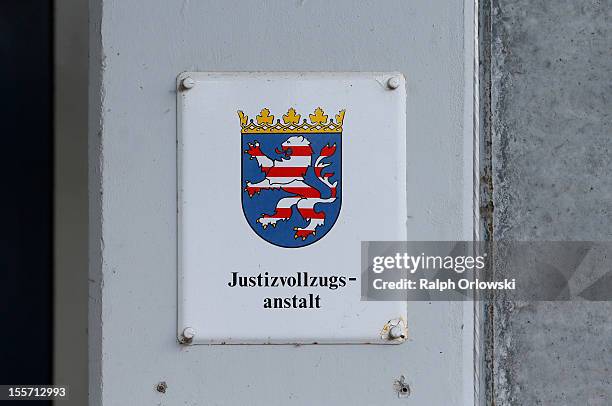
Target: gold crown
[(291, 123)]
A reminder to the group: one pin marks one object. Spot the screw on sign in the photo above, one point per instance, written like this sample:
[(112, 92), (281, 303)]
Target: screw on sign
[(393, 83), (188, 83), (187, 335)]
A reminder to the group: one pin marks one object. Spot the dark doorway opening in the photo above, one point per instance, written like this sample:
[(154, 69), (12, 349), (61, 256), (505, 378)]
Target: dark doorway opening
[(26, 171)]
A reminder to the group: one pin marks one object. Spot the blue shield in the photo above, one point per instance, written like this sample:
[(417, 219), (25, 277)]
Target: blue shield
[(291, 181)]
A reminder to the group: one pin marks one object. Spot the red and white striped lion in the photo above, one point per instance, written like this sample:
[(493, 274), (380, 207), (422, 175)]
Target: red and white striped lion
[(288, 174)]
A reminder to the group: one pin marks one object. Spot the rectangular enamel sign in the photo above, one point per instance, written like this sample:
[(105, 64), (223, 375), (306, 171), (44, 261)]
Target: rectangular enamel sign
[(280, 178)]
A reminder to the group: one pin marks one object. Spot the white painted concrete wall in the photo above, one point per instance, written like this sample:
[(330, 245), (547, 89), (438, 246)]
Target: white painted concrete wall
[(136, 50)]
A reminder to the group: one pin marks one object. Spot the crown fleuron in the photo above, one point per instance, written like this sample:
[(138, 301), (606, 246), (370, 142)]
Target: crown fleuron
[(265, 124)]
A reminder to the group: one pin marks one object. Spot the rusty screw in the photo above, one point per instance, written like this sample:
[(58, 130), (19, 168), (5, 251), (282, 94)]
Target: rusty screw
[(396, 332), (161, 387)]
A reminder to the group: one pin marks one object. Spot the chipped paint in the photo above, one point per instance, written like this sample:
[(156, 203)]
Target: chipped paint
[(401, 387)]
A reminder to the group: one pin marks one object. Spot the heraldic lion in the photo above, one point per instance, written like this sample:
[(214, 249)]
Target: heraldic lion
[(288, 174)]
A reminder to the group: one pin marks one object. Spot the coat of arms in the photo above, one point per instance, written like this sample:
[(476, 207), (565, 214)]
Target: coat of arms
[(291, 175)]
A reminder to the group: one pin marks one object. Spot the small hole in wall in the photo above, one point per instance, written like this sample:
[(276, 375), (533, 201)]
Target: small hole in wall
[(401, 387), (161, 387)]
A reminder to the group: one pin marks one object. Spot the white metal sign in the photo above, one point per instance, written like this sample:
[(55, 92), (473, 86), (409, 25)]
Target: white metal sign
[(280, 178)]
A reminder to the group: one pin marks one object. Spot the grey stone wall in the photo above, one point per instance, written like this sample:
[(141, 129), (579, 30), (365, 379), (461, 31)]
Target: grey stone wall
[(550, 135)]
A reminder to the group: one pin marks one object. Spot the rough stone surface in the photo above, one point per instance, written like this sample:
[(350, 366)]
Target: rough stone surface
[(551, 128)]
